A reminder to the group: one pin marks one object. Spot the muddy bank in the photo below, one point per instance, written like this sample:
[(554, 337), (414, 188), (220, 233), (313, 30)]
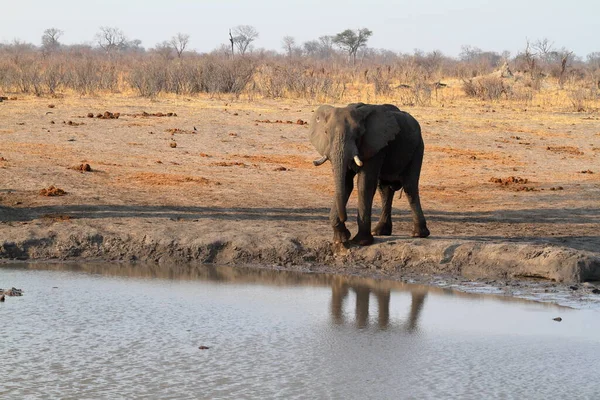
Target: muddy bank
[(275, 244)]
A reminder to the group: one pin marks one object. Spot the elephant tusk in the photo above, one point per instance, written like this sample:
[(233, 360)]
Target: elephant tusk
[(320, 161), (358, 161)]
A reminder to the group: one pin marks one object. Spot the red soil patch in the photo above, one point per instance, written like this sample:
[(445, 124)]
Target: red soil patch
[(156, 179)]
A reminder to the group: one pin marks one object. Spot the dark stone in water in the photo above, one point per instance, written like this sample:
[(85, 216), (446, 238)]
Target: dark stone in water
[(11, 292), (557, 319), (204, 348)]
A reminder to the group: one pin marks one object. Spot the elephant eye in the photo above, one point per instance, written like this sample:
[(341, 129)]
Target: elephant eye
[(318, 119)]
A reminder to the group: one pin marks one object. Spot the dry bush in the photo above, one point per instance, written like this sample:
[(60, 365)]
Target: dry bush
[(414, 89), (84, 75), (149, 78), (226, 75), (486, 88), (382, 81), (277, 80), (582, 99)]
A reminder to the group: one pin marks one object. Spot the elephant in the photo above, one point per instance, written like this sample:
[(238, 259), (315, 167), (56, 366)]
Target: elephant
[(383, 147)]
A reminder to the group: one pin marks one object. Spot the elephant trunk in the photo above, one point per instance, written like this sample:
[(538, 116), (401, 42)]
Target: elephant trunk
[(339, 176), (341, 157)]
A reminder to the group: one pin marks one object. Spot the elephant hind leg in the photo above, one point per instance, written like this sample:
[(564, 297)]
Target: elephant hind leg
[(411, 188), (384, 226)]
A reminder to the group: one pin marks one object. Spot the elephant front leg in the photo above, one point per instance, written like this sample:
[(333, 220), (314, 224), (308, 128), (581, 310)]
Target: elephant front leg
[(384, 226), (367, 185), (341, 234)]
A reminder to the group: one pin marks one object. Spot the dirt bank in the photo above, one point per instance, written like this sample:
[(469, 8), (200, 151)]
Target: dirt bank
[(507, 193)]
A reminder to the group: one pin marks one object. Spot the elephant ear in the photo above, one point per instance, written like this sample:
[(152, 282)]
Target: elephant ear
[(318, 134), (379, 127)]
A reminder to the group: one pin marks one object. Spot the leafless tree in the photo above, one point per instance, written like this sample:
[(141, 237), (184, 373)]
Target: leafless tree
[(244, 36), (593, 60), (179, 42), (288, 43), (50, 41), (164, 49), (321, 48), (111, 39), (543, 48), (565, 56), (529, 57)]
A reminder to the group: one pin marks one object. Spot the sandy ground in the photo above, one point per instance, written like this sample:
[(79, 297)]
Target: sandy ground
[(238, 189)]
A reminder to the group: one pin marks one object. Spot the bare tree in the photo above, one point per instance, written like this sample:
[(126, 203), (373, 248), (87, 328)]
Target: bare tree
[(351, 41), (164, 49), (593, 59), (321, 48), (529, 57), (565, 56), (111, 39), (288, 44), (543, 48), (232, 41), (50, 41), (244, 36), (179, 43)]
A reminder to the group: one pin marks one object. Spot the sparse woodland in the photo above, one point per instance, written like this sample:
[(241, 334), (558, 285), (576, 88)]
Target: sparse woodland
[(324, 70)]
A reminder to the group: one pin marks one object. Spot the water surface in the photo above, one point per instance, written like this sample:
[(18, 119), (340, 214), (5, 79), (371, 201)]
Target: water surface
[(114, 331)]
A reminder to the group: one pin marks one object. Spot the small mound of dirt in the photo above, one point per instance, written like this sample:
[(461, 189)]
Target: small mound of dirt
[(301, 122), (204, 155), (51, 106), (565, 150), (71, 123), (281, 169), (587, 171), (82, 168), (158, 114), (173, 131), (109, 115), (229, 164), (173, 144), (511, 180), (52, 191), (278, 121)]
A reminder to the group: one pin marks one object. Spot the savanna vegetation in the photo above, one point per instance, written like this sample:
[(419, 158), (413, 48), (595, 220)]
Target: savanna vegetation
[(339, 68)]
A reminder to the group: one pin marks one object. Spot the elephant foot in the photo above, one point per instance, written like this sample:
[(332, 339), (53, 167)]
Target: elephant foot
[(340, 234), (420, 232), (382, 229), (363, 239)]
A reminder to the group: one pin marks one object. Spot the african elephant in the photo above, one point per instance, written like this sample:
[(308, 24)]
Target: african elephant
[(383, 146)]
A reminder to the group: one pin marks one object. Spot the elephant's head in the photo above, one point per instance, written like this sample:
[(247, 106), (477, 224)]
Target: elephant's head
[(350, 136)]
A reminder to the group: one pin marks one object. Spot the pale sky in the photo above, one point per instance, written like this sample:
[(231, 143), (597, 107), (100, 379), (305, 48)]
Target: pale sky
[(398, 25)]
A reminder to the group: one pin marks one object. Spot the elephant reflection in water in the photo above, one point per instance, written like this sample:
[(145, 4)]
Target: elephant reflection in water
[(340, 291)]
